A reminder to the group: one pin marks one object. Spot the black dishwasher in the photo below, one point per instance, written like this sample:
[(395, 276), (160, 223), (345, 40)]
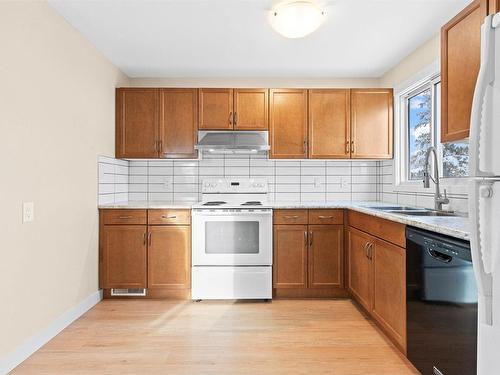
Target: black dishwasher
[(441, 304)]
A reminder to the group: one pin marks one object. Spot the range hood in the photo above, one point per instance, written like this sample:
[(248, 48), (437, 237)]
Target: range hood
[(233, 142)]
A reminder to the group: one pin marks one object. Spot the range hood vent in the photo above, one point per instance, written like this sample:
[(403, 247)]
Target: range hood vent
[(233, 142)]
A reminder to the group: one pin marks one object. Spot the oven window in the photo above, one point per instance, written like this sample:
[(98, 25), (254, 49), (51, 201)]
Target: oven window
[(232, 237)]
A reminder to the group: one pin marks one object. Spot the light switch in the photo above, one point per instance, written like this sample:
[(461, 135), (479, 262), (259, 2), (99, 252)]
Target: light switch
[(28, 212)]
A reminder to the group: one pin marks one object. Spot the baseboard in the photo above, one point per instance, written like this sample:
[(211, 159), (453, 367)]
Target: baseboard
[(10, 361)]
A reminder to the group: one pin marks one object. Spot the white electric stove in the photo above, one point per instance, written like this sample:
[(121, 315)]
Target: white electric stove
[(232, 240)]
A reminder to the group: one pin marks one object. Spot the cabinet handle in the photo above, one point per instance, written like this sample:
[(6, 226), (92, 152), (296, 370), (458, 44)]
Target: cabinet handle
[(305, 147), (352, 146), (366, 250), (160, 146), (235, 118), (124, 217), (230, 118), (325, 217), (291, 217), (305, 238), (168, 217), (370, 250), (347, 147), (150, 235), (145, 238), (310, 238)]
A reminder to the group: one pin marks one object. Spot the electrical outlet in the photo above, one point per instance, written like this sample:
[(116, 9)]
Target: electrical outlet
[(167, 183), (344, 182), (318, 182), (28, 212)]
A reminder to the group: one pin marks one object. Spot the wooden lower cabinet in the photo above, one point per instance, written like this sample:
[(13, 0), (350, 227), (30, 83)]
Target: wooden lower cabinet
[(155, 255), (377, 281), (290, 256), (308, 259), (169, 257), (123, 256), (389, 289), (325, 256), (360, 268)]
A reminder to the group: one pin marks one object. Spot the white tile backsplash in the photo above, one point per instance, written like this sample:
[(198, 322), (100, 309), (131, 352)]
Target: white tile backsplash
[(113, 180), (291, 180)]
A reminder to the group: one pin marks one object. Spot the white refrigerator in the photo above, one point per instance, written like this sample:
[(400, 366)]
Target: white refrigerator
[(484, 196)]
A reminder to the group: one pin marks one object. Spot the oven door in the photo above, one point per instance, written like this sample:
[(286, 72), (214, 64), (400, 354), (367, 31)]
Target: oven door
[(232, 238)]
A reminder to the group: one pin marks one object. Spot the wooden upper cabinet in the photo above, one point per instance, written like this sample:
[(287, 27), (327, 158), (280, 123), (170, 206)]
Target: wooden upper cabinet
[(137, 118), (169, 257), (251, 109), (493, 6), (371, 123), (389, 289), (290, 256), (288, 124), (216, 109), (123, 256), (329, 128), (460, 61), (326, 247), (360, 267), (178, 123)]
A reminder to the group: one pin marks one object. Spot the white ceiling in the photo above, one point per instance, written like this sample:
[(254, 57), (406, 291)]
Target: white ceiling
[(232, 38)]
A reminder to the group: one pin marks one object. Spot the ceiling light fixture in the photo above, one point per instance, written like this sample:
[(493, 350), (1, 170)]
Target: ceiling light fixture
[(296, 19)]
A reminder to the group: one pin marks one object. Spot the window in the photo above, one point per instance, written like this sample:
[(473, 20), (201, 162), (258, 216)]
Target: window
[(421, 131)]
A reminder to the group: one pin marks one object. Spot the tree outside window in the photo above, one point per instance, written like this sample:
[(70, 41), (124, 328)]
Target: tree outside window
[(423, 113)]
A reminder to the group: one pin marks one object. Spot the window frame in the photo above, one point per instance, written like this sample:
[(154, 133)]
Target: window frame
[(428, 78), (429, 85)]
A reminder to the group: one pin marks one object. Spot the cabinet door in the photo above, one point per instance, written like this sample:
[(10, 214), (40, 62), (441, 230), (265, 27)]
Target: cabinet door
[(251, 109), (371, 123), (137, 130), (216, 109), (169, 257), (329, 124), (326, 247), (460, 60), (288, 124), (178, 123), (123, 256), (360, 267), (290, 256), (493, 6), (389, 290)]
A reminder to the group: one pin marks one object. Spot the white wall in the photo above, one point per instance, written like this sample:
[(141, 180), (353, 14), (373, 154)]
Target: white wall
[(420, 58), (56, 117)]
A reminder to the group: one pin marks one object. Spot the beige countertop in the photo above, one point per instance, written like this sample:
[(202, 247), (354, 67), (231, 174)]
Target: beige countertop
[(453, 226)]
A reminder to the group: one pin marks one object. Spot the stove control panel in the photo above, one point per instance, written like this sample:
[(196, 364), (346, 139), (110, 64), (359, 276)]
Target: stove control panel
[(234, 185)]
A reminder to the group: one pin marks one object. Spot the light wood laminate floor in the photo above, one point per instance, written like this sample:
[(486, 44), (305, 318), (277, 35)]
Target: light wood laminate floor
[(181, 337)]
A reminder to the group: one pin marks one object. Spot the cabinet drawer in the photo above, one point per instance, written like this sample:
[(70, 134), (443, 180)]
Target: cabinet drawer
[(290, 217), (123, 216), (173, 217), (385, 229), (326, 217)]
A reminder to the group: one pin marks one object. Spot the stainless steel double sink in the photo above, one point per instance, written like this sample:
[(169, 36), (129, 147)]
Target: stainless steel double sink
[(413, 211)]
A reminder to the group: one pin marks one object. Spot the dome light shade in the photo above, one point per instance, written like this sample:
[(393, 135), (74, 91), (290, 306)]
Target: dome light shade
[(296, 19)]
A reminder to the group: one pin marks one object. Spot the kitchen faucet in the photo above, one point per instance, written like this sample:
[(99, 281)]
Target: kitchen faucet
[(439, 200)]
